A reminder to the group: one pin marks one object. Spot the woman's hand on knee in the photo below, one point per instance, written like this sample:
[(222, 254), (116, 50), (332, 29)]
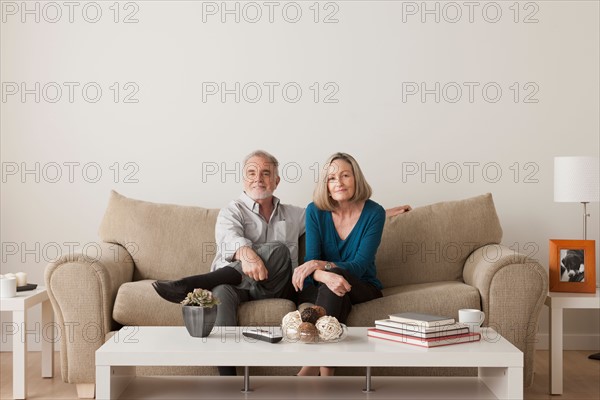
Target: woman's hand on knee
[(336, 283), (302, 272)]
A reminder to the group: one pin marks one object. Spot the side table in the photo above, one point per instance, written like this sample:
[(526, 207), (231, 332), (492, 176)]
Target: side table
[(19, 306), (557, 303)]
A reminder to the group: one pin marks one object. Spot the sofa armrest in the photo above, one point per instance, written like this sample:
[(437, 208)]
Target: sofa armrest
[(82, 291), (513, 288)]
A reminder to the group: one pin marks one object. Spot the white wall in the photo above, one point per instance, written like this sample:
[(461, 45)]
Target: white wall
[(167, 141)]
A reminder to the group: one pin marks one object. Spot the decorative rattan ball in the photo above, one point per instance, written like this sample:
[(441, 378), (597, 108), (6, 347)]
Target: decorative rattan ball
[(289, 325), (320, 310), (292, 319), (329, 328), (308, 333), (309, 314)]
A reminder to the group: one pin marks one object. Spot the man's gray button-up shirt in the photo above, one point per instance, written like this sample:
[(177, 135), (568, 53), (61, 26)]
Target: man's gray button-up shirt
[(240, 224)]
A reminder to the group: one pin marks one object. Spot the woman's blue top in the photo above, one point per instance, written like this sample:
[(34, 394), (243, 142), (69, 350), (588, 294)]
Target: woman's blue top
[(357, 252)]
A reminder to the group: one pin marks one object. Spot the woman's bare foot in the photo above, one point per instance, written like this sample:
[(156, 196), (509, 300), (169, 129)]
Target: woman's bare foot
[(327, 371), (309, 371)]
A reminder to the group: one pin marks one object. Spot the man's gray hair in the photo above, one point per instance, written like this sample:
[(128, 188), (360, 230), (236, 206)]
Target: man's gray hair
[(264, 154)]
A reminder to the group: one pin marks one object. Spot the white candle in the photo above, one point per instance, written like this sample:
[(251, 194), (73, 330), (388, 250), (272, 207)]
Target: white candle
[(8, 287), (21, 278), (9, 275)]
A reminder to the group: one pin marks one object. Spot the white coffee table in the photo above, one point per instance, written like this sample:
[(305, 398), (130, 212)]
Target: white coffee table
[(19, 306), (499, 363)]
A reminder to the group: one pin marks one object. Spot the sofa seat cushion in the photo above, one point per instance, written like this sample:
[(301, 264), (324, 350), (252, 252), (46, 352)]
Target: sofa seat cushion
[(268, 312), (137, 304), (438, 298)]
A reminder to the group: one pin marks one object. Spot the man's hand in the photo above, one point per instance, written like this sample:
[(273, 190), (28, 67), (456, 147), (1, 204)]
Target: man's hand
[(390, 212), (252, 265), (302, 271), (336, 283)]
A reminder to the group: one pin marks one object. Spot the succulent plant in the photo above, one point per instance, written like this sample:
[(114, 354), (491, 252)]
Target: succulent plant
[(200, 298)]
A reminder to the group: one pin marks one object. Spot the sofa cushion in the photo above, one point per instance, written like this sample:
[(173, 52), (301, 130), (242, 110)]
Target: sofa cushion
[(137, 304), (166, 241), (432, 243), (438, 298)]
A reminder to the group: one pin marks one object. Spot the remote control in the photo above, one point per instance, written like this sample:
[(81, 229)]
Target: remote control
[(270, 335)]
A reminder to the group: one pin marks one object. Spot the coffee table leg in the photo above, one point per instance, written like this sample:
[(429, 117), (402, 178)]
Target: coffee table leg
[(103, 382), (112, 381), (246, 388), (368, 388), (505, 383)]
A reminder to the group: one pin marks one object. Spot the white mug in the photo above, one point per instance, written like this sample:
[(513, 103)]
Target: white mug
[(8, 287), (472, 317)]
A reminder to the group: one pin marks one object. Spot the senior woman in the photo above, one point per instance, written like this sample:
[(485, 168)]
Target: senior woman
[(343, 232)]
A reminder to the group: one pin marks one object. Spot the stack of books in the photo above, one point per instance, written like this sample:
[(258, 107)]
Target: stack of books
[(422, 330)]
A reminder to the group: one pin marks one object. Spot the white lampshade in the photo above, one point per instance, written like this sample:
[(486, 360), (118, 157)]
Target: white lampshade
[(576, 179)]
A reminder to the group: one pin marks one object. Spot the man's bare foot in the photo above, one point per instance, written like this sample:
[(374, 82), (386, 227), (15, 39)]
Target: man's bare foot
[(327, 371), (309, 371)]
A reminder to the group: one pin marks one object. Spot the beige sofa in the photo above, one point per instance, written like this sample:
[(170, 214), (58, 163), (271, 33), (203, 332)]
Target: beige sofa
[(435, 259)]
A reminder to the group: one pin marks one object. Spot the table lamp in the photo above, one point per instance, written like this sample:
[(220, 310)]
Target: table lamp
[(576, 181)]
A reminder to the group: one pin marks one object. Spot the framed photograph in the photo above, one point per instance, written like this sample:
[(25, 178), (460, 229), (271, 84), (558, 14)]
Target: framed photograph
[(572, 266)]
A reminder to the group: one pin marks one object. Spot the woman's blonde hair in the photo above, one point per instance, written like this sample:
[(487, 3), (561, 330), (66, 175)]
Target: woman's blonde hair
[(321, 196)]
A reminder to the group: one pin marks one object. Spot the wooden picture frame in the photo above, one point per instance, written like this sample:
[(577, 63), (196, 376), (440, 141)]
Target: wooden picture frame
[(572, 266)]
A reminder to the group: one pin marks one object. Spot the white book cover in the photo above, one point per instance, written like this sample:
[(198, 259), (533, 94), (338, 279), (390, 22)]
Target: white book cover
[(422, 319), (420, 331)]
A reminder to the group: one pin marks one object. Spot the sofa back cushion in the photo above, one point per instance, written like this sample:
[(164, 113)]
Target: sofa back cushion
[(166, 241), (432, 243), (428, 244)]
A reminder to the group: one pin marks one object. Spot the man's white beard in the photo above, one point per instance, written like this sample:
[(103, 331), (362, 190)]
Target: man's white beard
[(262, 195)]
